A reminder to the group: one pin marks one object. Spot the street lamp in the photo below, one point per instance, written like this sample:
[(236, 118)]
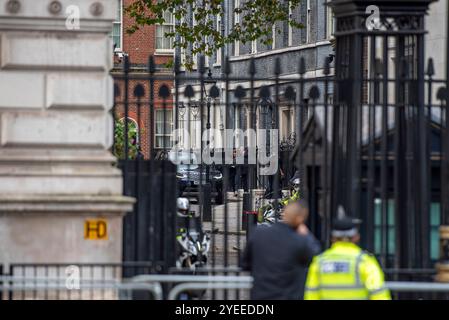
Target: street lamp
[(210, 96), (181, 113), (266, 123)]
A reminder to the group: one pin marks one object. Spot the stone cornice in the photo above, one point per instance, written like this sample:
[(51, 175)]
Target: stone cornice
[(51, 15), (43, 24), (114, 204)]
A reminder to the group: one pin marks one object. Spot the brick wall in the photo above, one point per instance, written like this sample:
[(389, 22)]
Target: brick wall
[(140, 46), (139, 109)]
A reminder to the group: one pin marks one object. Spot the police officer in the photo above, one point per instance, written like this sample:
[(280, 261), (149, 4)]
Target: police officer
[(345, 272), (183, 215), (294, 183)]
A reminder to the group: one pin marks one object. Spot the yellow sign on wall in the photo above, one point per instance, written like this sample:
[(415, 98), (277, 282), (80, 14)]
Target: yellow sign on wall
[(96, 229)]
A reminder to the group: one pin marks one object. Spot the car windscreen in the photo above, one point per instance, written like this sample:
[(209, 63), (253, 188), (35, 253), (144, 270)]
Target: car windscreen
[(184, 167), (182, 157)]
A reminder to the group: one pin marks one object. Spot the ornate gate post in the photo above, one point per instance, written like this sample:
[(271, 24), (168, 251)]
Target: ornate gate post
[(380, 145), (60, 195)]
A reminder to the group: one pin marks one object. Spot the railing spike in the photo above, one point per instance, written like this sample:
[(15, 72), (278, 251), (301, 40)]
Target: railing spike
[(430, 68), (126, 63), (277, 66), (151, 65), (252, 67), (302, 66), (201, 65), (327, 66), (177, 65), (227, 66)]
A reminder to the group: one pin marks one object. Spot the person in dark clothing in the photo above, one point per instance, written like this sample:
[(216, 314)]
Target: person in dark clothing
[(270, 192), (232, 186), (278, 256), (241, 175)]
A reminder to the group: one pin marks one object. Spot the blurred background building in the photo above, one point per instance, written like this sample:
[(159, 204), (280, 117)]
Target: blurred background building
[(311, 43)]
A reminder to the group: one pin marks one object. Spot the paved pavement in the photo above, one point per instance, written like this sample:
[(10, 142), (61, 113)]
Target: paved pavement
[(228, 236), (232, 241)]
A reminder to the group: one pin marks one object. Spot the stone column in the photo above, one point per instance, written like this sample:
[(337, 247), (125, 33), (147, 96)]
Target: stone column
[(57, 177)]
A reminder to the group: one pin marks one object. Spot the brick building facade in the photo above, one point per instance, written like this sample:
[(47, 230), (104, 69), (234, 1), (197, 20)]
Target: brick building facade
[(138, 47)]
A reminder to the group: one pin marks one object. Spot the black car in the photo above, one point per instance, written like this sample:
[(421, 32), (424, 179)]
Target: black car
[(191, 176)]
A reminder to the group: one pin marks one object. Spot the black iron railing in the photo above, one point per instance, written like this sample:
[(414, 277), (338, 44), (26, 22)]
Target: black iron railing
[(370, 135)]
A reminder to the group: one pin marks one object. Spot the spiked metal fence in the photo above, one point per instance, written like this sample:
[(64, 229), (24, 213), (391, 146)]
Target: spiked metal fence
[(370, 135)]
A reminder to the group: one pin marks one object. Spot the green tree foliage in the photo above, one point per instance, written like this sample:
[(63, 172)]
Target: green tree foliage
[(119, 139), (257, 18)]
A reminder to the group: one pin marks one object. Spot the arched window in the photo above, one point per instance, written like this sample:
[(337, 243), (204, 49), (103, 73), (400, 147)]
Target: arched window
[(119, 148)]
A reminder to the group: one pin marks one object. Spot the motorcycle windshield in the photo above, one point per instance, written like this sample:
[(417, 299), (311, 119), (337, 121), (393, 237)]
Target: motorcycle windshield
[(195, 231)]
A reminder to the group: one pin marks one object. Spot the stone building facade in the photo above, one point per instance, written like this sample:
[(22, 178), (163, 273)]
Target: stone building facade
[(289, 45)]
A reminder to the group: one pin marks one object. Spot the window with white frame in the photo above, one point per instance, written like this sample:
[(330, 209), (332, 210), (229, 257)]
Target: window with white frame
[(183, 58), (194, 57), (164, 128), (163, 43), (117, 28), (290, 28), (218, 53), (286, 122), (236, 21), (207, 57), (309, 22), (330, 21), (254, 46)]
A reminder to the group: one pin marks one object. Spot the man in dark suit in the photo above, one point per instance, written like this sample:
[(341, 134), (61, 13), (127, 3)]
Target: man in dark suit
[(278, 256)]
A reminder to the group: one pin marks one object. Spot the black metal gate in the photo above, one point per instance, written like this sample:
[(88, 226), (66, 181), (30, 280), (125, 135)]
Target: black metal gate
[(389, 132), (149, 231), (370, 135)]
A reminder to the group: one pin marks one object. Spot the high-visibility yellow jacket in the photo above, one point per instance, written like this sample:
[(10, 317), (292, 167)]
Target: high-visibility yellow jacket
[(345, 272), (294, 197)]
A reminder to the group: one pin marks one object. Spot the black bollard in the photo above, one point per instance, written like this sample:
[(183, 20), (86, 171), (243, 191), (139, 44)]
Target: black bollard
[(249, 216), (246, 207)]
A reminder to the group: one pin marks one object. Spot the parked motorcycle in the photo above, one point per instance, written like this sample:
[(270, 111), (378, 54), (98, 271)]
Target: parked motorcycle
[(194, 249), (193, 242)]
